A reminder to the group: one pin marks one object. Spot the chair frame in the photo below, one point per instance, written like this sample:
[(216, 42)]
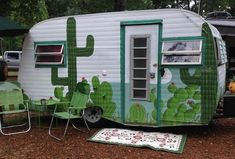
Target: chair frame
[(69, 120), (26, 110)]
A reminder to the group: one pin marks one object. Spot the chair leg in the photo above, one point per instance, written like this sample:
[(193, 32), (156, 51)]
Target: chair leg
[(85, 124), (13, 126), (65, 130)]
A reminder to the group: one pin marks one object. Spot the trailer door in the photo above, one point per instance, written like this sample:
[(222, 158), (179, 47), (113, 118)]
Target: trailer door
[(140, 77)]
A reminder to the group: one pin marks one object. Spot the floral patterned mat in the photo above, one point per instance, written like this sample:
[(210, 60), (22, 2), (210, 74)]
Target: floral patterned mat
[(157, 141)]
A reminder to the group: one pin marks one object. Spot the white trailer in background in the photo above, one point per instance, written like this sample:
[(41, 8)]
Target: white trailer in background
[(151, 67)]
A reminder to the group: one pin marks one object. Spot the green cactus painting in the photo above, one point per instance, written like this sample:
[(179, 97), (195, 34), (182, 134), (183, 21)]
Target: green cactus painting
[(102, 96), (154, 100), (83, 87), (58, 93), (184, 105), (137, 113), (205, 77), (73, 53)]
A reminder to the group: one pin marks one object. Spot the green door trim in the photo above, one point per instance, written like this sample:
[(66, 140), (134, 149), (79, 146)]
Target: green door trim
[(123, 24)]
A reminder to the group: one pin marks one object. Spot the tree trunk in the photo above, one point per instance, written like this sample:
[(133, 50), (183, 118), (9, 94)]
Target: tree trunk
[(188, 4), (156, 4), (177, 3), (119, 5)]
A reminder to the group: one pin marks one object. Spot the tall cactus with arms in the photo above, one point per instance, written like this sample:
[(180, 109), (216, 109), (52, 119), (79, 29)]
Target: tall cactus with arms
[(206, 76), (73, 52)]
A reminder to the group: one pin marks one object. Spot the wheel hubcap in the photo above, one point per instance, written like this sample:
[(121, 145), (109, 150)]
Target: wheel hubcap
[(93, 115)]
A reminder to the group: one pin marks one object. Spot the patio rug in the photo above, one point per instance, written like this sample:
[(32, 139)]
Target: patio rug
[(155, 140)]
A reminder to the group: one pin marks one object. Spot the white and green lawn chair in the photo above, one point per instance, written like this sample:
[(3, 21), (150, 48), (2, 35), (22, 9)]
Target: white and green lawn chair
[(74, 111), (13, 105)]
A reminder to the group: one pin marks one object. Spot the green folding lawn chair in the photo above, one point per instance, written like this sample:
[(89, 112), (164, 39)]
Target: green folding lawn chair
[(74, 111), (13, 105)]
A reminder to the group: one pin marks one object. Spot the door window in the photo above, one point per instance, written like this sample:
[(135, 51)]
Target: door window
[(140, 47)]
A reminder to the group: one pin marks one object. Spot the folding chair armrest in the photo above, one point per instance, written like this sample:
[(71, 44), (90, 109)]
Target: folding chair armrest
[(59, 103), (74, 108), (27, 102), (68, 102)]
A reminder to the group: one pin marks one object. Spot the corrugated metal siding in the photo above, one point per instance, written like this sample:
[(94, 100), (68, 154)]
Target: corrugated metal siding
[(221, 79), (105, 28)]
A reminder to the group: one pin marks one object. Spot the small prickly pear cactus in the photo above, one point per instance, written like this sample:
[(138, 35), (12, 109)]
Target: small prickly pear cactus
[(181, 107), (169, 114), (196, 107), (137, 113), (197, 95), (102, 96), (83, 87), (173, 102), (181, 94), (58, 93), (191, 90), (154, 100), (179, 116), (189, 115), (172, 87)]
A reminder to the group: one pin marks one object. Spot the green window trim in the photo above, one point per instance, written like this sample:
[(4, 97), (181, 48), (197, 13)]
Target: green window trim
[(221, 51), (141, 22), (42, 43)]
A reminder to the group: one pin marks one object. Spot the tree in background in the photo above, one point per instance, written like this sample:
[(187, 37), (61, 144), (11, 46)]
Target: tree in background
[(72, 7), (4, 9), (24, 12), (57, 7), (28, 12), (119, 5), (207, 6), (139, 4)]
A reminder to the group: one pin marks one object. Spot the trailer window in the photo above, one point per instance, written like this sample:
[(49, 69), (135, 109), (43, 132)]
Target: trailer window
[(181, 52), (139, 66), (222, 54), (49, 54)]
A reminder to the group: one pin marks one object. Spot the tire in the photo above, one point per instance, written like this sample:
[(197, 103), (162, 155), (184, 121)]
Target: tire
[(93, 114), (3, 70)]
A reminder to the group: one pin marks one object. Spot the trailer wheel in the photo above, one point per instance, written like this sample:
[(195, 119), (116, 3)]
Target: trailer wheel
[(93, 114), (3, 71)]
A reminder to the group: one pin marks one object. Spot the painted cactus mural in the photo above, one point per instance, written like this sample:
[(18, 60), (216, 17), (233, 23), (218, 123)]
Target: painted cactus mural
[(73, 53), (137, 113), (205, 77), (83, 87), (184, 105), (58, 93), (102, 96), (154, 100)]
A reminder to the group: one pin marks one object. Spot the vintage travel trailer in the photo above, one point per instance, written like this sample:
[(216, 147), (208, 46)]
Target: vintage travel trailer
[(153, 67)]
